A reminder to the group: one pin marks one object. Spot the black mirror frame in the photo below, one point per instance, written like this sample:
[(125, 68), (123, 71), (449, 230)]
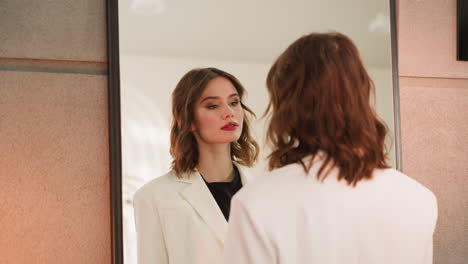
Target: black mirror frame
[(115, 147), (115, 138)]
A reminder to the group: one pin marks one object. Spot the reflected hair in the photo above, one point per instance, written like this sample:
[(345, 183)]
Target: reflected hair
[(320, 103), (184, 147)]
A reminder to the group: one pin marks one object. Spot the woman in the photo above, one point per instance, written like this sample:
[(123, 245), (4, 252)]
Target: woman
[(181, 217), (331, 196)]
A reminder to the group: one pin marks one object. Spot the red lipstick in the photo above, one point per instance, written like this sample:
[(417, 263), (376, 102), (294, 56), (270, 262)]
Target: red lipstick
[(230, 126)]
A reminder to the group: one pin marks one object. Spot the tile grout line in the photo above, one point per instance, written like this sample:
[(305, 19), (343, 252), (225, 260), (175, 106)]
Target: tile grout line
[(432, 77), (53, 70)]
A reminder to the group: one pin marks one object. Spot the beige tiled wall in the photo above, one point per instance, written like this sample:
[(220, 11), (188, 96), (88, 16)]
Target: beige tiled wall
[(54, 168), (434, 117)]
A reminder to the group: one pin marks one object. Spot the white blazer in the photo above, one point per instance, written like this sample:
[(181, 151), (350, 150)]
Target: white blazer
[(179, 222), (290, 217)]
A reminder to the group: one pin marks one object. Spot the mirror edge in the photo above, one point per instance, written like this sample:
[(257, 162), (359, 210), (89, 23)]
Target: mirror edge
[(114, 125), (396, 85)]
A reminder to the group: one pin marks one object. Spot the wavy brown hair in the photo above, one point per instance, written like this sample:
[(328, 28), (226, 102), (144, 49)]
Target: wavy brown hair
[(184, 147), (320, 101)]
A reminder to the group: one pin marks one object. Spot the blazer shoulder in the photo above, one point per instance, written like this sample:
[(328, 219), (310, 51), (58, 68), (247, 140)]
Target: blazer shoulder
[(157, 187), (409, 185)]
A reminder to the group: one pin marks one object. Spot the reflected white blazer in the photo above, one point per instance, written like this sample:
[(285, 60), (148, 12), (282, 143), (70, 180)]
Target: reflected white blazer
[(179, 222), (289, 217)]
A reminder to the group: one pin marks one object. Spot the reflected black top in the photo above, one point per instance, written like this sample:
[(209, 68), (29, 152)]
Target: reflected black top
[(223, 192)]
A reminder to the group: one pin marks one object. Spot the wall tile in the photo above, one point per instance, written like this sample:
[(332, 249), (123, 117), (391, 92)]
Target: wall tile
[(54, 168), (435, 152), (427, 40), (59, 30)]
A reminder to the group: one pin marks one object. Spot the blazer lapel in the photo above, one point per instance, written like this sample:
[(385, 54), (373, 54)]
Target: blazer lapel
[(201, 199)]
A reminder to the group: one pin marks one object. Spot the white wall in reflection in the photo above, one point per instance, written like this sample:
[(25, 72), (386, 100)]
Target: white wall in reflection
[(145, 149), (146, 86)]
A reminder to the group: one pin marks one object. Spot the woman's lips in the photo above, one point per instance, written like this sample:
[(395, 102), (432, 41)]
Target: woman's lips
[(230, 126)]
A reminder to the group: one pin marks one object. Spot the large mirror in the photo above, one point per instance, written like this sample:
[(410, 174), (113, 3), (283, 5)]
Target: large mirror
[(161, 40)]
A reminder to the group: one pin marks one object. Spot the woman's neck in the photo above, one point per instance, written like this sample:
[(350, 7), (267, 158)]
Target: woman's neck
[(214, 162)]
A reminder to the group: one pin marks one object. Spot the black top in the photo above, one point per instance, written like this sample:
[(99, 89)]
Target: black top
[(223, 192)]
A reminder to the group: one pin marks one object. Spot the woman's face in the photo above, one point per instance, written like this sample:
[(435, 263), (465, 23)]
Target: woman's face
[(218, 113)]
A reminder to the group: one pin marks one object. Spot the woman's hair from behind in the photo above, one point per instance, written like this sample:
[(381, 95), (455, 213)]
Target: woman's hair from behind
[(184, 147), (319, 101)]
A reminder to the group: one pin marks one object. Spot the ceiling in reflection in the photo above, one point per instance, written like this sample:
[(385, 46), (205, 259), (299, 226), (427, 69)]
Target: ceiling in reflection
[(243, 30)]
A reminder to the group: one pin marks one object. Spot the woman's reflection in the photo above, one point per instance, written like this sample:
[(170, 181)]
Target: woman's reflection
[(181, 217)]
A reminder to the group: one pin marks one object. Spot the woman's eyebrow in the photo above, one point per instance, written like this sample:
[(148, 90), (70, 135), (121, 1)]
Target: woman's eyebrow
[(217, 97), (209, 97)]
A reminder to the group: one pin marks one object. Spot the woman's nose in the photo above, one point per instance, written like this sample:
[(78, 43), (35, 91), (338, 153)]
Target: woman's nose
[(228, 113)]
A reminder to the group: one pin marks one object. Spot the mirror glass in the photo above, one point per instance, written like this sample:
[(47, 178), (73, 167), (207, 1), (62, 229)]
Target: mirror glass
[(161, 40)]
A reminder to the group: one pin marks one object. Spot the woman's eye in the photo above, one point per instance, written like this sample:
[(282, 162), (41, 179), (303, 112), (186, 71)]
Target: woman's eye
[(235, 103), (212, 106)]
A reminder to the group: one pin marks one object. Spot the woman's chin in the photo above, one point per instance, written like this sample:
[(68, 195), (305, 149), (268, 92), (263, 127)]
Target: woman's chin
[(226, 140)]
